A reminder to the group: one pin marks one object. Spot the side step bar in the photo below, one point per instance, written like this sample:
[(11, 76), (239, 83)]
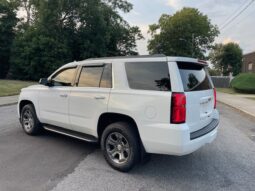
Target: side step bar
[(70, 133)]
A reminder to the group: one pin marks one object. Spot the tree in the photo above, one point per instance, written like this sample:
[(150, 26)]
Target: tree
[(8, 21), (63, 31), (227, 58), (214, 72), (186, 33)]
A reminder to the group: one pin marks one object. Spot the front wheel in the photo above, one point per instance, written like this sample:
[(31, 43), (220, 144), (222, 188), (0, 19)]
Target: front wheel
[(29, 120), (120, 146)]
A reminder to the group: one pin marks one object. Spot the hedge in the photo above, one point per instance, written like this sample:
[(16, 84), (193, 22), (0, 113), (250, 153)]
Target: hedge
[(244, 83)]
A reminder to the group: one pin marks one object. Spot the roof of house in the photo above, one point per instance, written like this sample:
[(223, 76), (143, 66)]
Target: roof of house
[(250, 53)]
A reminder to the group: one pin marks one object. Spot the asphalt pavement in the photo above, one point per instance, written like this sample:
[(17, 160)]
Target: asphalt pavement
[(35, 163), (58, 163)]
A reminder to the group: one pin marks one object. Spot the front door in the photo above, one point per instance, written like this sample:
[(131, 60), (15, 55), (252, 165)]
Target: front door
[(54, 100)]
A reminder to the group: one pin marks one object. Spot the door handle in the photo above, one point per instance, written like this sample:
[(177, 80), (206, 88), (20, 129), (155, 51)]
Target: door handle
[(99, 97), (63, 95)]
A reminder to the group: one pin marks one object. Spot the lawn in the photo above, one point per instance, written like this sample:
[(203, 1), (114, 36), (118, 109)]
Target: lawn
[(12, 87), (252, 98), (226, 90)]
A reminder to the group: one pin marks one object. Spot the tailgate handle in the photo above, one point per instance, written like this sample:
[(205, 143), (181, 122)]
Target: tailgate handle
[(205, 100)]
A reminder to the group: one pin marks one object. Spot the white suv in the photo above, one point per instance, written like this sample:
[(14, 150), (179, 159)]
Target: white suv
[(131, 105)]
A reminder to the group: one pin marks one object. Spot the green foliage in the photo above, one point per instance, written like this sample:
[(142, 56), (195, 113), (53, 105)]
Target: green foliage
[(8, 21), (214, 72), (35, 55), (186, 33), (244, 82), (63, 31), (227, 58)]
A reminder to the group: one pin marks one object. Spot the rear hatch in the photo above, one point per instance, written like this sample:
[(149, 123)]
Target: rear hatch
[(199, 93)]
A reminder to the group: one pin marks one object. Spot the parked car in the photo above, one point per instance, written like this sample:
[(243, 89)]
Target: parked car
[(130, 105)]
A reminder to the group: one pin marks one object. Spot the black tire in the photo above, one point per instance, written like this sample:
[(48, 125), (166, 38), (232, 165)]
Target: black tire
[(29, 121), (131, 139)]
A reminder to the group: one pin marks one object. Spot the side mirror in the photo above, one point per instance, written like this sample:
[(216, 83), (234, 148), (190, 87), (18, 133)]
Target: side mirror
[(44, 81)]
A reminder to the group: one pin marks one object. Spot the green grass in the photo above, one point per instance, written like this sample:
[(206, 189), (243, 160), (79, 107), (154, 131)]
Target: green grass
[(252, 98), (244, 83), (12, 87), (226, 90)]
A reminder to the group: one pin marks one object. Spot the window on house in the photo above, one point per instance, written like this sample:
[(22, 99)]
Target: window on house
[(250, 66)]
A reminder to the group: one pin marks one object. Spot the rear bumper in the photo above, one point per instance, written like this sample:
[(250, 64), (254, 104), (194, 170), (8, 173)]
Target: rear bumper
[(207, 129), (177, 139)]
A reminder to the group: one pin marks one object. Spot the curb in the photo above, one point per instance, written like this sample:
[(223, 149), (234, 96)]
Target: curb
[(8, 104), (240, 110)]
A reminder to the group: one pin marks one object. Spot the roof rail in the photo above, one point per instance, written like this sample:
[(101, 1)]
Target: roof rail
[(123, 57)]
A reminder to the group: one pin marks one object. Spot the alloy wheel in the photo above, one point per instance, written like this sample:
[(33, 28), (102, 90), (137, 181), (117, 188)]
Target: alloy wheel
[(117, 148), (28, 120)]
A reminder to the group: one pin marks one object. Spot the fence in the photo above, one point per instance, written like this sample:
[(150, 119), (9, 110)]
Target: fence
[(221, 81)]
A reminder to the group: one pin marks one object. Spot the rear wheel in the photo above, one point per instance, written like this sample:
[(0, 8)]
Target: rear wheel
[(120, 146), (29, 121)]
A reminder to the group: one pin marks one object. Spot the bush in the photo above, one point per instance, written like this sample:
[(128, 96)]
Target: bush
[(244, 83)]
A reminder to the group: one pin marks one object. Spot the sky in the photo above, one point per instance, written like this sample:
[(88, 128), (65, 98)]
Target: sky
[(241, 30)]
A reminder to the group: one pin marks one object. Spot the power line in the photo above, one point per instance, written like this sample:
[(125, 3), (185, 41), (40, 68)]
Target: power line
[(238, 14), (244, 18), (234, 12)]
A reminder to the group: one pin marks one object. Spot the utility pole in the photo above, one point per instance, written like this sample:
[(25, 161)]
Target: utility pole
[(192, 44)]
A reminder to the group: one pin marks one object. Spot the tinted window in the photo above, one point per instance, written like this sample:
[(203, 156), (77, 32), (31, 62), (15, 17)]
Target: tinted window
[(106, 81), (148, 76), (90, 76), (64, 77), (194, 77)]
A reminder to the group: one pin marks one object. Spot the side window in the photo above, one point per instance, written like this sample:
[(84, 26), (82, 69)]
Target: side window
[(64, 77), (106, 80), (148, 76), (96, 76)]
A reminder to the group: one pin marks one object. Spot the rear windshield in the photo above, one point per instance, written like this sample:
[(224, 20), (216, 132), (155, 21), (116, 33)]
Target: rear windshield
[(148, 76), (194, 76)]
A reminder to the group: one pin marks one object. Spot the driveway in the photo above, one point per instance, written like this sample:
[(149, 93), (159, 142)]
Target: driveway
[(55, 162)]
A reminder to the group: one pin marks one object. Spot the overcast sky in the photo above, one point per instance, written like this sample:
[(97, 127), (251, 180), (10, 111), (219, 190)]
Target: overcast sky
[(241, 30)]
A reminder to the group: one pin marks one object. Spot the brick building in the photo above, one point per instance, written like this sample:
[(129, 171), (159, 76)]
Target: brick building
[(249, 62)]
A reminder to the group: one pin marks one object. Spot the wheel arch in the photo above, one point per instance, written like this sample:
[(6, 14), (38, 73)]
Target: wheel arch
[(107, 118), (24, 102)]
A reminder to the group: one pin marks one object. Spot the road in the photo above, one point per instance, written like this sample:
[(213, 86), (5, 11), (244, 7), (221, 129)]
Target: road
[(58, 163)]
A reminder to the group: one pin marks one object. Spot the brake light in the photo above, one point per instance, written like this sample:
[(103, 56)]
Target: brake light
[(214, 95), (178, 108)]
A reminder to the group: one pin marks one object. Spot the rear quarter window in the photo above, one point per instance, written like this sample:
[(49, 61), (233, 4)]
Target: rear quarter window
[(194, 76), (148, 76)]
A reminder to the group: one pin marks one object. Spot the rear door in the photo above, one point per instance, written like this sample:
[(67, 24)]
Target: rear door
[(199, 94), (89, 98)]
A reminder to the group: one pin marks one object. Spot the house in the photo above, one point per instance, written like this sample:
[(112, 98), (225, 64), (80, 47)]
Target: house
[(248, 62)]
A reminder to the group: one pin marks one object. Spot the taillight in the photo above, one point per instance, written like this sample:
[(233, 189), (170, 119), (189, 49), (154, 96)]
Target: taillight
[(178, 108), (215, 99)]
